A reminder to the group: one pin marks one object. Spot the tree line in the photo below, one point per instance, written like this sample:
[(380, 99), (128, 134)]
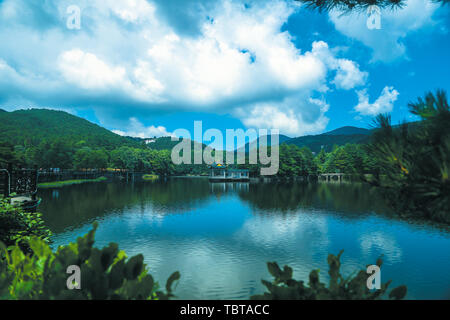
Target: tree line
[(294, 161)]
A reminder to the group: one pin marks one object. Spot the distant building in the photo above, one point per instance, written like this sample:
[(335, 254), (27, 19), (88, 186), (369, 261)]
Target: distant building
[(147, 141)]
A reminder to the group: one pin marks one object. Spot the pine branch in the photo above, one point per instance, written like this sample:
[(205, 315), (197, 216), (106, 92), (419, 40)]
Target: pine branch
[(357, 5)]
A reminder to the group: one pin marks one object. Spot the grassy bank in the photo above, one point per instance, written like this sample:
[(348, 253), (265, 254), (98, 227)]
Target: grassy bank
[(58, 184)]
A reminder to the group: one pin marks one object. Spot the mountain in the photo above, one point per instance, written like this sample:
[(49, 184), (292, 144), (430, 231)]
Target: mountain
[(326, 140), (340, 136), (33, 126), (348, 130), (163, 143), (254, 144)]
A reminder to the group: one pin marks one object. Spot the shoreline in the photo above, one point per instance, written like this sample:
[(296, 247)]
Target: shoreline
[(63, 183)]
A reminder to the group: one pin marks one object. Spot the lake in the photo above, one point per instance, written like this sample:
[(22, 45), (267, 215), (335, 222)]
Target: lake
[(220, 235)]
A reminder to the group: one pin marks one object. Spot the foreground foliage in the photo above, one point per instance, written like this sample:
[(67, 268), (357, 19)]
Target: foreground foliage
[(105, 273), (18, 226), (284, 287), (414, 160)]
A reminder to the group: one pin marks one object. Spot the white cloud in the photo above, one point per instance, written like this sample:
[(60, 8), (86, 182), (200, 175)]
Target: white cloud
[(218, 65), (88, 71), (384, 103), (137, 129), (132, 10), (348, 75), (387, 43), (295, 115)]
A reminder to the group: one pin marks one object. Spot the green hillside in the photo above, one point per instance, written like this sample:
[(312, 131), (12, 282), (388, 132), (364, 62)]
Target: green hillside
[(163, 143), (255, 144), (33, 126), (327, 140), (315, 143), (348, 130)]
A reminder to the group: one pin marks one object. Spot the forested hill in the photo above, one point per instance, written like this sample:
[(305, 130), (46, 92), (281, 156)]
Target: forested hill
[(327, 140), (33, 126), (348, 130)]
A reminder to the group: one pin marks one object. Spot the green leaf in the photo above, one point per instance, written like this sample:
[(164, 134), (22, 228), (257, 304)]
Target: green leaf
[(173, 277), (108, 254), (274, 269), (117, 275), (134, 267), (398, 293)]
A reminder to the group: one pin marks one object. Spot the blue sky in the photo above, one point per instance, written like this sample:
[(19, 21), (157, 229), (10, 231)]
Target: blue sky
[(146, 68)]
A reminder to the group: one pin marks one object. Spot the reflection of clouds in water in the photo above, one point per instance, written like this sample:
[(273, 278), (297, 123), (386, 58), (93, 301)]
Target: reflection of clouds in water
[(147, 213), (275, 229), (219, 269), (298, 239), (232, 268), (380, 243), (209, 269)]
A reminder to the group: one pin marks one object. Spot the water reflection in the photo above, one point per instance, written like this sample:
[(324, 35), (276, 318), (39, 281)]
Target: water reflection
[(219, 235), (290, 196)]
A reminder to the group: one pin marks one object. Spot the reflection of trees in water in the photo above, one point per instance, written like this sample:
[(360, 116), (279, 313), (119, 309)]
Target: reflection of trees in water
[(79, 204), (290, 196), (221, 189), (76, 205)]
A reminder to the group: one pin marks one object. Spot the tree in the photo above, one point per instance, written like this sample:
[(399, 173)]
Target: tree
[(309, 166), (320, 160), (86, 158), (54, 154), (124, 158), (415, 159), (6, 154)]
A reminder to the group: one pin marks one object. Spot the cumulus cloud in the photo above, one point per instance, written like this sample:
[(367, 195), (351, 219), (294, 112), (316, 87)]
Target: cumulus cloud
[(387, 43), (132, 10), (88, 71), (294, 115), (137, 129), (348, 75), (384, 103), (132, 57)]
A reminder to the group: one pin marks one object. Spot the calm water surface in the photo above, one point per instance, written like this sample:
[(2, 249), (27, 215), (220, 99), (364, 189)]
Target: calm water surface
[(220, 236)]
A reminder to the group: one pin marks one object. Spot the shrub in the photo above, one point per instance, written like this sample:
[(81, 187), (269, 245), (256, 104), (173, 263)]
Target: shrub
[(105, 273), (18, 226), (352, 288), (150, 177)]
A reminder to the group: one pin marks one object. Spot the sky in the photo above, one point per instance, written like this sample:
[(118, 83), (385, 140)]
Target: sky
[(146, 68)]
